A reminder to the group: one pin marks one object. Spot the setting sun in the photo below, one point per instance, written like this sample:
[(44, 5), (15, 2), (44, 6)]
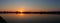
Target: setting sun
[(21, 10)]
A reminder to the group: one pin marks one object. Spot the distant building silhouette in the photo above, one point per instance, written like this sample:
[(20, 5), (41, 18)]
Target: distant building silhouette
[(2, 20)]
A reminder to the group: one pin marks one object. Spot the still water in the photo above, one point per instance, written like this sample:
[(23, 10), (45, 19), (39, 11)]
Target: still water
[(31, 18)]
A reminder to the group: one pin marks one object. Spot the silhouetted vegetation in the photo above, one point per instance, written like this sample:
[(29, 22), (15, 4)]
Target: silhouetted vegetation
[(53, 12), (2, 20)]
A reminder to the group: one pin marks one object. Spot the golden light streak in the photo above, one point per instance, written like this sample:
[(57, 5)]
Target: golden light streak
[(21, 12)]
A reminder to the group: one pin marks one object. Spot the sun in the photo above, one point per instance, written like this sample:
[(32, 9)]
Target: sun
[(21, 10)]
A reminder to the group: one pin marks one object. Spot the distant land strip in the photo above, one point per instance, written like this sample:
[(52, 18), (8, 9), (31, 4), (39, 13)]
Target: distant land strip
[(4, 12)]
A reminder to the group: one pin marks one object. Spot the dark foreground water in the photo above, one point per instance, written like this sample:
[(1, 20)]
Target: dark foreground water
[(31, 18)]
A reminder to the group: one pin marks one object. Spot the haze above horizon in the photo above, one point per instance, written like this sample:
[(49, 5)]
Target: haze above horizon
[(30, 5)]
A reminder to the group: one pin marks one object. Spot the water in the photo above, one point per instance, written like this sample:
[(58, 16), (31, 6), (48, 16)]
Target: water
[(31, 18)]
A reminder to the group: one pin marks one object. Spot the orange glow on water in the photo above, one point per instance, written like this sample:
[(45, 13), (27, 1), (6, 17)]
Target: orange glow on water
[(21, 14)]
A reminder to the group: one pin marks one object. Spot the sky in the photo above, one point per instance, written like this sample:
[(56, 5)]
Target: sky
[(30, 5)]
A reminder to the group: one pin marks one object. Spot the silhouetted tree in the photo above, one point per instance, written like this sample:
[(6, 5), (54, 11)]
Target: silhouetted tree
[(2, 20)]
